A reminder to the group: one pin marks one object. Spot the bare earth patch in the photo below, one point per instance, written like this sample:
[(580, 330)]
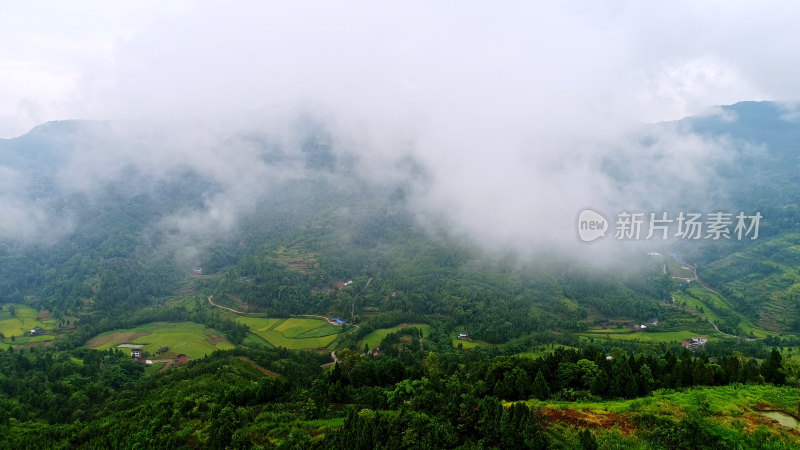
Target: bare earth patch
[(113, 337), (583, 419)]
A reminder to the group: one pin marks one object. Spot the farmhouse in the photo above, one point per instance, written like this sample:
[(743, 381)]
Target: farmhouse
[(36, 331), (180, 360), (695, 342), (198, 270), (338, 321), (464, 336), (136, 353)]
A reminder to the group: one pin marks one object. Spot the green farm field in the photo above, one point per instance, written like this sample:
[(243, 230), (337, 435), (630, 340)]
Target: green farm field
[(24, 319), (642, 336), (465, 344), (293, 333), (374, 339), (192, 339)]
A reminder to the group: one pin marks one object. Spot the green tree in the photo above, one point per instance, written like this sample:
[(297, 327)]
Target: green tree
[(223, 424), (588, 372), (540, 388), (772, 369), (645, 380), (587, 440)]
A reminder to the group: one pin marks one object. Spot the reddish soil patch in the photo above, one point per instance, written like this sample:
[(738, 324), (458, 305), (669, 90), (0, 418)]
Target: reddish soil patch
[(43, 315), (589, 420)]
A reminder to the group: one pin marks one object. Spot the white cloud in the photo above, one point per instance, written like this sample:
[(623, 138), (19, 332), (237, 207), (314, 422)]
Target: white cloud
[(511, 107)]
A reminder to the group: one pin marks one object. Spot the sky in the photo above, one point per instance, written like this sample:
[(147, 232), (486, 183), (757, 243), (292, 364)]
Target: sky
[(510, 105), (635, 60)]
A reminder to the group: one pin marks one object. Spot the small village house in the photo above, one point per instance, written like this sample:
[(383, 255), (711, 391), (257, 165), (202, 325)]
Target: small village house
[(36, 331), (694, 342)]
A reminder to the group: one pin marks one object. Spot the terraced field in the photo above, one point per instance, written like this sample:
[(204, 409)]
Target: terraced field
[(764, 279), (192, 339), (293, 333), (719, 311)]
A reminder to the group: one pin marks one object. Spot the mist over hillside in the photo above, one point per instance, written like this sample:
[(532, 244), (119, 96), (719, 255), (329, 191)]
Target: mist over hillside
[(231, 172), (325, 225)]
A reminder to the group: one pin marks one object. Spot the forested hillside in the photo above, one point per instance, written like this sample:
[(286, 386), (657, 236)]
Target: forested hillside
[(316, 307)]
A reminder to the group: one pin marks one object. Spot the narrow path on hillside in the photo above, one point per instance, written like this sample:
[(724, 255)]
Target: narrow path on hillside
[(718, 330), (335, 360), (353, 305), (223, 307), (705, 286), (713, 291)]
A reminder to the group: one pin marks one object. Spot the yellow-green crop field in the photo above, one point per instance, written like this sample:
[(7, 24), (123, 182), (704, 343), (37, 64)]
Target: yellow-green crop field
[(192, 339), (23, 320), (293, 333)]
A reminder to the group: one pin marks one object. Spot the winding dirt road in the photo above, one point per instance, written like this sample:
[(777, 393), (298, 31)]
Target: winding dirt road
[(223, 307)]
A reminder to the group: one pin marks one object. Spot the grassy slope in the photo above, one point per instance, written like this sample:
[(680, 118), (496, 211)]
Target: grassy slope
[(734, 409), (374, 339), (642, 336), (188, 338), (23, 321)]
